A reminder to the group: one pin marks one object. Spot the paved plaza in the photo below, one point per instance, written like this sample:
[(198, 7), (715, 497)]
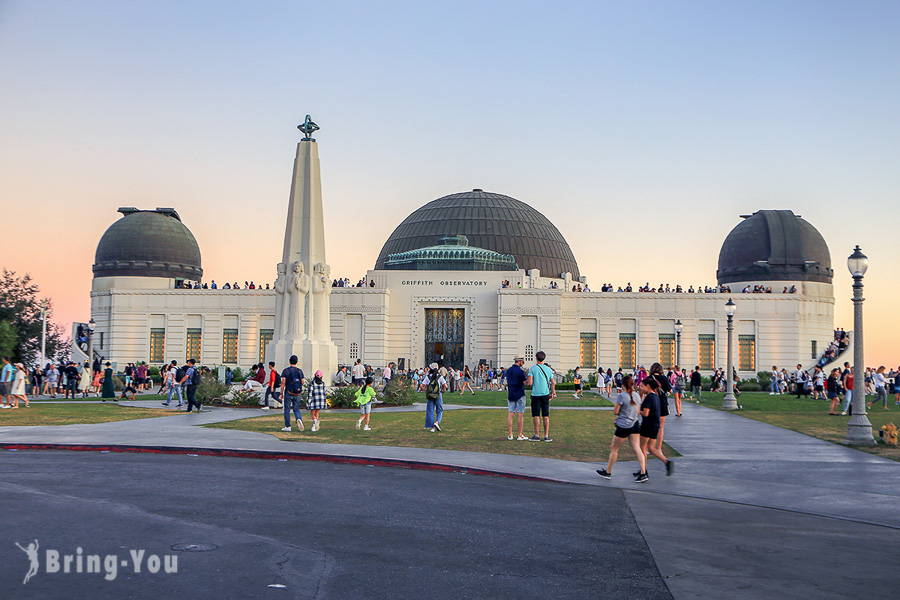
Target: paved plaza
[(753, 511)]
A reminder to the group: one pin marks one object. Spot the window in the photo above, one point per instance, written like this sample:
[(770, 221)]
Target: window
[(667, 349), (529, 353), (354, 350), (626, 350), (589, 350), (707, 351), (157, 345), (101, 340), (193, 344), (265, 336), (814, 354), (229, 346), (747, 353)]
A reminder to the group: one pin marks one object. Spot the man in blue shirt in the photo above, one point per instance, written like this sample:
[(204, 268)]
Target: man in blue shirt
[(540, 378), (6, 381), (515, 382)]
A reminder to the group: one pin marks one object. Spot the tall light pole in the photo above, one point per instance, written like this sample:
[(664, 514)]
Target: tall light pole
[(730, 402), (91, 325), (679, 327), (859, 429), (44, 315)]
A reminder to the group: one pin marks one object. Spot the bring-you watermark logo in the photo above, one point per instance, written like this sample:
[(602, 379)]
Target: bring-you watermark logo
[(107, 565)]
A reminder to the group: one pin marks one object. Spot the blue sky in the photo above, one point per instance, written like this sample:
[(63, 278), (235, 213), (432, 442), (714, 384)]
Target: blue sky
[(642, 130)]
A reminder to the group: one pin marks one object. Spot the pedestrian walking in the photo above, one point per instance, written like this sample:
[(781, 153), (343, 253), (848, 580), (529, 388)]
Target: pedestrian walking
[(7, 376), (540, 378), (515, 383), (467, 381), (365, 397), (579, 383), (191, 381), (292, 385), (650, 423), (680, 386), (833, 390), (656, 372), (628, 428), (173, 384), (108, 386), (316, 398), (435, 385), (274, 382), (880, 383), (18, 386), (359, 373)]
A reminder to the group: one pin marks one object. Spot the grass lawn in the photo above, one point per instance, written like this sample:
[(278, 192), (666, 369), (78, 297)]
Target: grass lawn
[(577, 435), (811, 417), (71, 414), (92, 398), (563, 398)]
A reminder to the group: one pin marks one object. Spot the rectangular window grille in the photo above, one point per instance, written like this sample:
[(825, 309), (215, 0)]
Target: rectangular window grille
[(354, 351), (157, 345), (265, 336), (529, 353), (229, 346), (814, 354), (747, 353), (589, 350), (707, 351), (627, 346), (193, 344), (667, 350)]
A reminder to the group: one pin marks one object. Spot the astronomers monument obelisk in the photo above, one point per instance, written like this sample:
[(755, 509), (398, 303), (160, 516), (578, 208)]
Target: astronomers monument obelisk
[(303, 285)]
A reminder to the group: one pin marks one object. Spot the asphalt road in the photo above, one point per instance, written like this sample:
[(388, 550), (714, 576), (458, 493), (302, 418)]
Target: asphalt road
[(317, 530)]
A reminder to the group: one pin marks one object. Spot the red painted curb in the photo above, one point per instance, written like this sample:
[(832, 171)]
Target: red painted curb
[(398, 463)]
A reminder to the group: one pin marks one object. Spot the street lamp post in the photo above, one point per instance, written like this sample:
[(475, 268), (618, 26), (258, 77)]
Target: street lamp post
[(679, 327), (91, 326), (729, 402), (859, 429), (43, 333)]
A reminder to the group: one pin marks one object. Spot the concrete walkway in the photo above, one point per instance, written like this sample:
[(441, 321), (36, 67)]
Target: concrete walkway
[(733, 472)]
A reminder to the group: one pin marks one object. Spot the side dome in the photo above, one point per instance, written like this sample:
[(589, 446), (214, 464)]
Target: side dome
[(490, 221), (774, 245), (148, 243)]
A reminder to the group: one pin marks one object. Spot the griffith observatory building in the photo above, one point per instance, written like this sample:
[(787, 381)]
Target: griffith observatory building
[(436, 290)]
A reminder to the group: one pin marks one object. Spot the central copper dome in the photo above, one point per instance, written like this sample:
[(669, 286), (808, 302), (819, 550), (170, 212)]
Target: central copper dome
[(490, 221)]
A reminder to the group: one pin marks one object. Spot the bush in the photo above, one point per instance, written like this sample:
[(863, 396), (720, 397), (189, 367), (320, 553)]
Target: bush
[(153, 374), (764, 378), (399, 393), (342, 397), (210, 389), (243, 398), (118, 383), (237, 374), (748, 386)]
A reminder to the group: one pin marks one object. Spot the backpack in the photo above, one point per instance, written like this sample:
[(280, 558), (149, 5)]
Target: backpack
[(681, 381), (179, 375), (294, 381), (195, 378), (433, 391)]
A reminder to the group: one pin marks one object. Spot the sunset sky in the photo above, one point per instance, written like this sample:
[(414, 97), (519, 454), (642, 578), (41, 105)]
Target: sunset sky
[(641, 129)]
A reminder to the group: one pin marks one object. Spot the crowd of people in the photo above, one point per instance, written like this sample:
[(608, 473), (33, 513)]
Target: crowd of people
[(668, 289), (345, 282)]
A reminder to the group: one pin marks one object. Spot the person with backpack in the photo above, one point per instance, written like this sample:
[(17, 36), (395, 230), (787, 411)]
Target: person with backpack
[(680, 386), (662, 391), (191, 380), (272, 386), (540, 378), (316, 398), (365, 397), (292, 385), (434, 384), (515, 377), (618, 378)]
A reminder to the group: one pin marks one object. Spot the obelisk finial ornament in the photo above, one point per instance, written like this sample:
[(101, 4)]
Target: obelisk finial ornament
[(308, 127)]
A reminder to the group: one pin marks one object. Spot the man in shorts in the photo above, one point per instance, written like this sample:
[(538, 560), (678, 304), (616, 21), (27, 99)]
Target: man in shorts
[(540, 378), (6, 381), (515, 380)]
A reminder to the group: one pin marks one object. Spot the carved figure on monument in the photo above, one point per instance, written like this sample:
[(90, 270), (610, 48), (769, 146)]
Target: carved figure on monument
[(321, 307), (282, 303), (297, 288)]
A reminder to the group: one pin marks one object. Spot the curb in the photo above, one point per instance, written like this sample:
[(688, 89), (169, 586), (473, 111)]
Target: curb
[(397, 463)]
